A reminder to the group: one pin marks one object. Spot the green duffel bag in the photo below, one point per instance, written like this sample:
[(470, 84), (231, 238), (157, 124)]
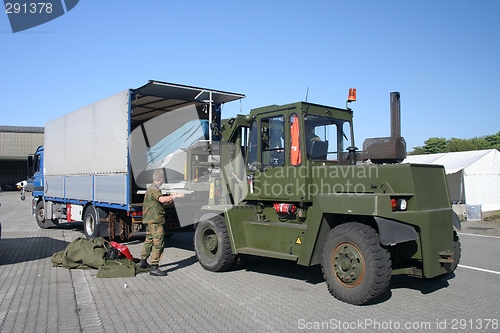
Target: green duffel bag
[(117, 268)]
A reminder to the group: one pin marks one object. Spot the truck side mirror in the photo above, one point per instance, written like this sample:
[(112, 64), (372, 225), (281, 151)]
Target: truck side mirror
[(30, 170)]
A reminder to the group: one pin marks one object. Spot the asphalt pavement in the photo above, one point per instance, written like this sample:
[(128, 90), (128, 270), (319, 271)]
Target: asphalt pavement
[(267, 295)]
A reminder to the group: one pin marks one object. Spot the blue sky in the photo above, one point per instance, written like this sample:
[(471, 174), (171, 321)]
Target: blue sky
[(442, 56)]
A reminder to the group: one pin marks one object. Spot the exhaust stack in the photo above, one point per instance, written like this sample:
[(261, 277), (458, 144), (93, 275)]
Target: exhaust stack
[(395, 115), (388, 149)]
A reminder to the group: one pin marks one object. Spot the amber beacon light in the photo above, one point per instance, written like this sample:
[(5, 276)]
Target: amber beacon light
[(351, 97)]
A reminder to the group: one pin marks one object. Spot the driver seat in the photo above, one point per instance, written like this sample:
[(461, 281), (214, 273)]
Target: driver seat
[(317, 150)]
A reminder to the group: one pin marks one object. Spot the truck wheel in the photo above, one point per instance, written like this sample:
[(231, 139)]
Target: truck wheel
[(212, 245), (90, 225), (357, 269), (39, 216)]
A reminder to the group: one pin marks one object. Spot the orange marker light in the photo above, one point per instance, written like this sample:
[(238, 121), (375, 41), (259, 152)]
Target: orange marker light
[(352, 95), (394, 204)]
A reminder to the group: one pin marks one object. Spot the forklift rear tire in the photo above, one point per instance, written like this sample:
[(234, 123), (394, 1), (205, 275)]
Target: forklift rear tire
[(457, 252), (357, 269), (212, 245)]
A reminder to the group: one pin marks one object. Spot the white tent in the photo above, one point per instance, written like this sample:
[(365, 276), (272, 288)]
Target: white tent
[(473, 176)]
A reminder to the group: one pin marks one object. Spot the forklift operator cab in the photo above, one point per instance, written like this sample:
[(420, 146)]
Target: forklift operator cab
[(326, 138), (278, 136)]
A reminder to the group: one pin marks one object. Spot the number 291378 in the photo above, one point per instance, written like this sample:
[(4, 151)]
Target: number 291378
[(28, 8)]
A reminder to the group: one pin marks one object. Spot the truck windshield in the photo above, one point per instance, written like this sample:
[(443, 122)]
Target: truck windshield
[(326, 138)]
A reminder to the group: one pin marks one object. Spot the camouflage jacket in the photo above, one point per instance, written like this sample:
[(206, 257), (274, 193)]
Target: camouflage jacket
[(152, 209)]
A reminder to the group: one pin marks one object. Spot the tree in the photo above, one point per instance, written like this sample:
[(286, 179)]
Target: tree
[(455, 144), (435, 145), (493, 140), (480, 143), (441, 145), (418, 150)]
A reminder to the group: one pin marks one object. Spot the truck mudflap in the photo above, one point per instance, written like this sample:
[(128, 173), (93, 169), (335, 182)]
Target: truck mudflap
[(392, 232)]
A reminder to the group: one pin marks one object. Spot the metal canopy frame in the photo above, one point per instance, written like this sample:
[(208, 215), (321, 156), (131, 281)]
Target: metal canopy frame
[(157, 97)]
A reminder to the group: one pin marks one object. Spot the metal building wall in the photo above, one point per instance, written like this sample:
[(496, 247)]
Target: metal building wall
[(16, 143)]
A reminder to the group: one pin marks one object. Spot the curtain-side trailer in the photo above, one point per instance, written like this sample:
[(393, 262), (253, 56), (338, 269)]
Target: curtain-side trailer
[(97, 161)]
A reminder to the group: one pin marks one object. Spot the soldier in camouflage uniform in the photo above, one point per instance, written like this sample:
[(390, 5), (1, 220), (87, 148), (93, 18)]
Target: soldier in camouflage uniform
[(154, 219)]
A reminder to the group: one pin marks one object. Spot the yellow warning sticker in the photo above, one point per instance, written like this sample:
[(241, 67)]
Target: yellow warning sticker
[(298, 241), (211, 192)]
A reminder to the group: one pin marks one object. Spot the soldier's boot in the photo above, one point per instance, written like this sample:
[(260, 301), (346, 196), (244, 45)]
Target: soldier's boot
[(144, 264), (155, 271)]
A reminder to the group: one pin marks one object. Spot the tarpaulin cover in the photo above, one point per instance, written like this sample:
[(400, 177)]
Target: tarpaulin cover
[(82, 254), (87, 254), (184, 137), (91, 140)]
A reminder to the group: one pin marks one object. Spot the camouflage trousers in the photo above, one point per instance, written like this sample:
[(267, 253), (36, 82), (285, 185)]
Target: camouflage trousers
[(154, 243)]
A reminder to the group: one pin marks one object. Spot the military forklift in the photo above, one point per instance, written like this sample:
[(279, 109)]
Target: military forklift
[(287, 182)]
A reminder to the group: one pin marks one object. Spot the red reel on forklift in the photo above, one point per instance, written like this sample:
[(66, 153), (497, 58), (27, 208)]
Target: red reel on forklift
[(285, 208)]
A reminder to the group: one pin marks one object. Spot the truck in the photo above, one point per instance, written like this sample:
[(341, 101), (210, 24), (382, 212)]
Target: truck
[(288, 182), (97, 161)]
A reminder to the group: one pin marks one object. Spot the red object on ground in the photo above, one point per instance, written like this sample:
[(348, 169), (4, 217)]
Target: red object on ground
[(123, 249)]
